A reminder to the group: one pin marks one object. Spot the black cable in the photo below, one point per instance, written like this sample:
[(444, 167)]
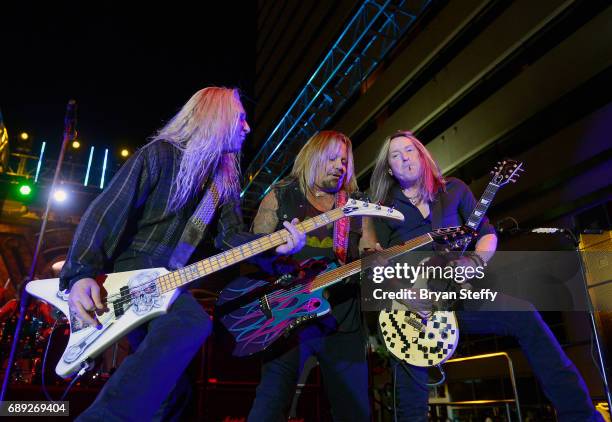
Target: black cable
[(394, 387), (426, 384), (44, 365)]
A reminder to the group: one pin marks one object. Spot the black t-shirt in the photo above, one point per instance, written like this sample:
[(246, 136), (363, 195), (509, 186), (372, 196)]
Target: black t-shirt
[(451, 207)]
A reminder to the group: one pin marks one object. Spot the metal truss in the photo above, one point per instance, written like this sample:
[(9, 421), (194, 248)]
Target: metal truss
[(372, 32)]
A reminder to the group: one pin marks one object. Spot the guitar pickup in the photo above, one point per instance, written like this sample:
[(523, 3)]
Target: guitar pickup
[(264, 305), (120, 305)]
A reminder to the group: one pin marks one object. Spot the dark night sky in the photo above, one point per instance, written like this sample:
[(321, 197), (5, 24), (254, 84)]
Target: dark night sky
[(129, 70)]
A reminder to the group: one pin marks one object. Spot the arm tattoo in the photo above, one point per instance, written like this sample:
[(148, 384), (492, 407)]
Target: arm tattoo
[(266, 219)]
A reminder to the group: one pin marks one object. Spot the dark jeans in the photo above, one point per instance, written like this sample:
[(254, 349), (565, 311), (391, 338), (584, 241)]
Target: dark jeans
[(147, 377), (559, 378), (343, 364)]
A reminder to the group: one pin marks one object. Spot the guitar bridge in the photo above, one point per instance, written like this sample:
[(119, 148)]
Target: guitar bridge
[(264, 305), (415, 324)]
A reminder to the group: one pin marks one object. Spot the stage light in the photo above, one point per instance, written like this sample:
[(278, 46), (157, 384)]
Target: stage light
[(25, 190), (125, 152), (91, 151), (40, 157), (24, 136), (76, 144), (104, 168), (60, 195)]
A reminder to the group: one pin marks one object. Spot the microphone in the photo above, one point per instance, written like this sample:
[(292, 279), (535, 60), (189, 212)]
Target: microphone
[(556, 230), (548, 230), (537, 230)]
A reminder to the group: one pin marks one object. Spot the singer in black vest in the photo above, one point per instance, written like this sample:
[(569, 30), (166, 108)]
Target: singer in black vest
[(321, 179), (136, 223), (407, 177)]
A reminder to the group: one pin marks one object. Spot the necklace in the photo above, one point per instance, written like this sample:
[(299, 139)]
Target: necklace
[(322, 201), (413, 199)]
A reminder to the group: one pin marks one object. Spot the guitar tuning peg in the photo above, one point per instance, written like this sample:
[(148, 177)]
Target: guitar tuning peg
[(391, 209)]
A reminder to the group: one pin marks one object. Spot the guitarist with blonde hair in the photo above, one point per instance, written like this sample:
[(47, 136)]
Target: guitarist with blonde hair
[(141, 220), (407, 177), (322, 178)]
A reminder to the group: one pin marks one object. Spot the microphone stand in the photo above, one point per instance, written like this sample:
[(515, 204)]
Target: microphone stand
[(69, 131), (596, 336)]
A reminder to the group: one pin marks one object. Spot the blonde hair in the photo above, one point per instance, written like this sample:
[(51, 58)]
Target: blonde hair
[(381, 182), (206, 131), (312, 159)]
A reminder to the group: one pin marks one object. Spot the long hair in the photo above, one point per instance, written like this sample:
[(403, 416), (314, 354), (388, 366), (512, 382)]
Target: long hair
[(431, 179), (312, 159), (206, 131)]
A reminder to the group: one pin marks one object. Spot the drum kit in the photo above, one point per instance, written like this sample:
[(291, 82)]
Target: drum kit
[(35, 331)]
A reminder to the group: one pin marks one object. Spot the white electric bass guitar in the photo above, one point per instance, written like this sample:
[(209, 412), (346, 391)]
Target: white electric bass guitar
[(134, 297)]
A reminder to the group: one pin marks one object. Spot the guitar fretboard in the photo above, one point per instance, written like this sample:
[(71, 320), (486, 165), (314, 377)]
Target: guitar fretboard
[(333, 276), (483, 205), (223, 260)]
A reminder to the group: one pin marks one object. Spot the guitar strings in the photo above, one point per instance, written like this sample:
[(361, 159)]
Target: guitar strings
[(321, 280), (167, 281)]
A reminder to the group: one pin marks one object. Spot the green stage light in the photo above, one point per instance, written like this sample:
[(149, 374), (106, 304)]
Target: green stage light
[(25, 190)]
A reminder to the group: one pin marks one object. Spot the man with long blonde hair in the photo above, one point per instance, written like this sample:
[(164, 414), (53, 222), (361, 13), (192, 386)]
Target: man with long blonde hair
[(322, 178), (138, 222), (407, 177)]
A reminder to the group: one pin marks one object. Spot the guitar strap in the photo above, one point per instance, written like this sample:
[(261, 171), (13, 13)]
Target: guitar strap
[(341, 230), (196, 226)]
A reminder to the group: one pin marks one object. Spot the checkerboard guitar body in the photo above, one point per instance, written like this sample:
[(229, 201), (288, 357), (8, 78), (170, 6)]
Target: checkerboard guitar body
[(417, 341), (430, 342)]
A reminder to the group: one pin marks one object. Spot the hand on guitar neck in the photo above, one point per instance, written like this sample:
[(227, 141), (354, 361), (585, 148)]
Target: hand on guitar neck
[(295, 241), (373, 257)]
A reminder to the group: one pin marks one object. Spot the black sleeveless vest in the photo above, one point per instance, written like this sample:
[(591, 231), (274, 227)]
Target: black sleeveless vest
[(344, 296)]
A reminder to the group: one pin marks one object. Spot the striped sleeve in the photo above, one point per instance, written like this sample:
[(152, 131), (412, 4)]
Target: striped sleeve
[(102, 225)]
